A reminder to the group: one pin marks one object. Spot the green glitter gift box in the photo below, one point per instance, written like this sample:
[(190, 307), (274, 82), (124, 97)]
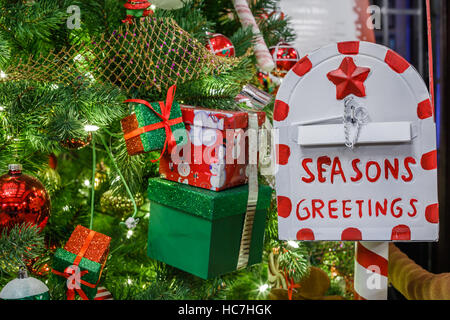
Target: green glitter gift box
[(87, 252), (199, 231), (147, 129)]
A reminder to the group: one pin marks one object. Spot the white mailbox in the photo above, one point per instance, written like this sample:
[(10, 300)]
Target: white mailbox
[(356, 148)]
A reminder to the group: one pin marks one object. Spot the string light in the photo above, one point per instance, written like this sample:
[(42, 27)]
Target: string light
[(116, 179), (89, 76), (293, 244), (129, 234), (91, 128), (263, 288), (97, 182), (12, 138)]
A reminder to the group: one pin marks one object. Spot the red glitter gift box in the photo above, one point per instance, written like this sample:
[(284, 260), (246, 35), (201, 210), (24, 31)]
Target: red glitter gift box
[(97, 249), (82, 261), (216, 155)]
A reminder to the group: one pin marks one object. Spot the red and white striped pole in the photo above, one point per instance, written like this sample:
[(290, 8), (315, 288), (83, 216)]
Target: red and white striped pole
[(371, 270)]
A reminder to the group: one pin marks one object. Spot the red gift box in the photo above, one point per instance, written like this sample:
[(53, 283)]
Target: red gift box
[(216, 155), (98, 246)]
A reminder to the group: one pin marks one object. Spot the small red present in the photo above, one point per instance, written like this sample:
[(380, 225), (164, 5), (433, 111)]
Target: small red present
[(81, 262), (216, 155), (154, 126), (94, 245)]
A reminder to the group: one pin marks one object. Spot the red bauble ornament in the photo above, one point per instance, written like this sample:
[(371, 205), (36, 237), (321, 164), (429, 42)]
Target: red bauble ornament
[(285, 57), (220, 45), (23, 199), (137, 4), (277, 14)]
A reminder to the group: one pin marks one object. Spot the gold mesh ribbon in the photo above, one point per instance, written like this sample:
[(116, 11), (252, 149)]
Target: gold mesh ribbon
[(154, 52)]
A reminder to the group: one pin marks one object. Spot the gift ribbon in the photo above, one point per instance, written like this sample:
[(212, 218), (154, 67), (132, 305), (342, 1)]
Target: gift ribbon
[(290, 285), (166, 108), (258, 100), (246, 238), (73, 273)]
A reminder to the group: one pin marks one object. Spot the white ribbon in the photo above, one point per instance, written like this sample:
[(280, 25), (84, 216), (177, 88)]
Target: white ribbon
[(246, 238)]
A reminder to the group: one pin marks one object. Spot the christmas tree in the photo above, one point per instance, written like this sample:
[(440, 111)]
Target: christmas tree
[(68, 67)]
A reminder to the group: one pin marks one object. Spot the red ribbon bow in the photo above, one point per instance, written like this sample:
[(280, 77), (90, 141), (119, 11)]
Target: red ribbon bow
[(166, 108), (290, 284)]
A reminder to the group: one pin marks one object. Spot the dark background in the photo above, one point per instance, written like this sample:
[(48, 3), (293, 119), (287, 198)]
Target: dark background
[(406, 33)]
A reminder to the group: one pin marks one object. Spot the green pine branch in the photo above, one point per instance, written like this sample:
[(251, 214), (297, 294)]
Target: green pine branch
[(20, 243), (294, 260)]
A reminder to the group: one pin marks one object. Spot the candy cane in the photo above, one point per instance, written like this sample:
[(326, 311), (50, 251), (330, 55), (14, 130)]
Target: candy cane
[(265, 61), (371, 270)]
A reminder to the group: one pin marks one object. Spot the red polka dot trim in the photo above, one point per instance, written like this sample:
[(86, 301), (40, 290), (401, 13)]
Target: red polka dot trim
[(401, 233), (425, 110), (396, 62), (306, 235), (281, 110), (351, 234), (283, 154), (429, 160), (284, 206), (302, 67), (432, 213), (349, 47)]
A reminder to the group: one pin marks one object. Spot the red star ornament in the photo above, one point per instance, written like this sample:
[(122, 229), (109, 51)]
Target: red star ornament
[(349, 79)]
